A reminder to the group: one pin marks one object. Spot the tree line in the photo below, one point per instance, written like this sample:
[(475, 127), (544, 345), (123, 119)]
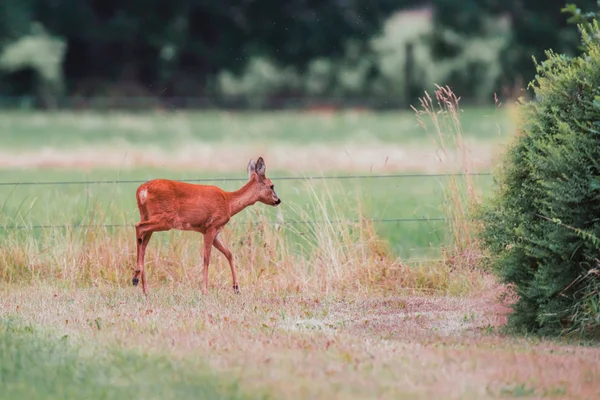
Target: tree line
[(261, 49)]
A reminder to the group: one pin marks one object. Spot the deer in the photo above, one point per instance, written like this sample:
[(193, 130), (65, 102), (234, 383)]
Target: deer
[(166, 204)]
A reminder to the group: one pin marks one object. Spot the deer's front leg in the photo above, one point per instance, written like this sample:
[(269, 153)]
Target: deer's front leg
[(221, 247), (209, 238)]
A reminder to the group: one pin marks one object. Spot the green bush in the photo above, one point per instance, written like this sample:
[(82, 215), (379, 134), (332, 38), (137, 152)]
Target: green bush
[(542, 223)]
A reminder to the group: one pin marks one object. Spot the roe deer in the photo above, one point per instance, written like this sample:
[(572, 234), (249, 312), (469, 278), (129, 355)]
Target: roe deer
[(166, 204)]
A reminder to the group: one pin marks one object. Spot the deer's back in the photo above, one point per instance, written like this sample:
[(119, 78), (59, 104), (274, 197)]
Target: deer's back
[(185, 205)]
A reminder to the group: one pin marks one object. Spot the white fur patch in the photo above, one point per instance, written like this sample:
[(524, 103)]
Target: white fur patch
[(143, 196)]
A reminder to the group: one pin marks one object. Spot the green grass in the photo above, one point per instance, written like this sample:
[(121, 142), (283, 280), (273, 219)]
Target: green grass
[(20, 130), (379, 199), (35, 365), (108, 203)]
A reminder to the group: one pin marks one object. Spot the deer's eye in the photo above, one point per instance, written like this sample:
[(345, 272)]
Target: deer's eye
[(272, 187)]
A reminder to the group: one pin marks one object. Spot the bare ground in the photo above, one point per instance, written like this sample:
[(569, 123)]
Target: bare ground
[(315, 346)]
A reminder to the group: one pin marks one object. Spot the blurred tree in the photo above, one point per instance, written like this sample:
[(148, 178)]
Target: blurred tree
[(536, 25), (39, 54), (30, 60), (177, 45)]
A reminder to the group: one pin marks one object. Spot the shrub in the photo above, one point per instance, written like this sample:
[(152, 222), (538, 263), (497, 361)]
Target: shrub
[(541, 224)]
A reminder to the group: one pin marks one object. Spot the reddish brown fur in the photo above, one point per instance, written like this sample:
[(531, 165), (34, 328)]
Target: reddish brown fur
[(165, 204)]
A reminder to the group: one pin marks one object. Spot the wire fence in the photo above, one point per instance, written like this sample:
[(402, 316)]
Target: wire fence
[(82, 225), (291, 222), (229, 179)]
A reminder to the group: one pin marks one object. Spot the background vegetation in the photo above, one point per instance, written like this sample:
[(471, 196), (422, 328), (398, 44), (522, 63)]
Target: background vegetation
[(238, 53)]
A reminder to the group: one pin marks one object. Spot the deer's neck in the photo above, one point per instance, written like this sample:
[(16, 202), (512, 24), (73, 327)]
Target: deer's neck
[(241, 199)]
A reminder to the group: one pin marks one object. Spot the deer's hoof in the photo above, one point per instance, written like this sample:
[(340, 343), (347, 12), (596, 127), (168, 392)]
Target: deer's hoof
[(236, 289), (135, 281)]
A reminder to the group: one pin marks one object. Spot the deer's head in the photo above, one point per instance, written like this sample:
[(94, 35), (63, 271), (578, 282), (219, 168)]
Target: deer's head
[(264, 186)]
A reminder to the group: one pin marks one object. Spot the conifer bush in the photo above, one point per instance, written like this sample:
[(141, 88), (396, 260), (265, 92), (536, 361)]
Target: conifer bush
[(541, 225)]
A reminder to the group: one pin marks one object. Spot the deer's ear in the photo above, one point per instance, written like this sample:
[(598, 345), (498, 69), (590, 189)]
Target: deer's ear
[(260, 166), (251, 167)]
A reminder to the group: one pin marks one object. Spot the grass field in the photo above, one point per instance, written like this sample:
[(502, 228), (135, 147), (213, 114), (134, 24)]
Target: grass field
[(344, 295), (174, 129), (393, 202), (299, 143), (284, 346), (37, 364), (74, 147)]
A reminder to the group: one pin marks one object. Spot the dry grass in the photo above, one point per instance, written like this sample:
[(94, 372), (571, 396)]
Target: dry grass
[(319, 346), (462, 252), (329, 257), (322, 258)]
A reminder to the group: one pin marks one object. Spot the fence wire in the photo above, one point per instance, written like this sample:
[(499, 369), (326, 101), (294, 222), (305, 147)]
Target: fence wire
[(292, 222), (229, 179), (279, 178)]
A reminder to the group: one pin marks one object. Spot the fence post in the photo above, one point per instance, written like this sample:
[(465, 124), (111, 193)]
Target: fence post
[(409, 74)]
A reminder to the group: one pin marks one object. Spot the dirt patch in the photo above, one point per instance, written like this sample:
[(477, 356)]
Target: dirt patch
[(430, 319), (424, 319)]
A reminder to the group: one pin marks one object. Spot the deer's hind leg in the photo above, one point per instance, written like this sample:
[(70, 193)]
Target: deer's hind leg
[(142, 242), (143, 233), (209, 238)]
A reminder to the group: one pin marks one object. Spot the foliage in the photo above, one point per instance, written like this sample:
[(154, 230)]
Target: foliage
[(377, 69), (259, 49), (476, 66), (578, 16), (178, 46), (542, 224), (535, 25), (41, 53)]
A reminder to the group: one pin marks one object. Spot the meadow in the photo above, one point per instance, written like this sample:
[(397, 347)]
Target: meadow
[(396, 164), (350, 289)]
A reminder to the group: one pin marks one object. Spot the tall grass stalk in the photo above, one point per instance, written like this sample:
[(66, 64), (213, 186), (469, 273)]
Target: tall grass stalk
[(441, 115)]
